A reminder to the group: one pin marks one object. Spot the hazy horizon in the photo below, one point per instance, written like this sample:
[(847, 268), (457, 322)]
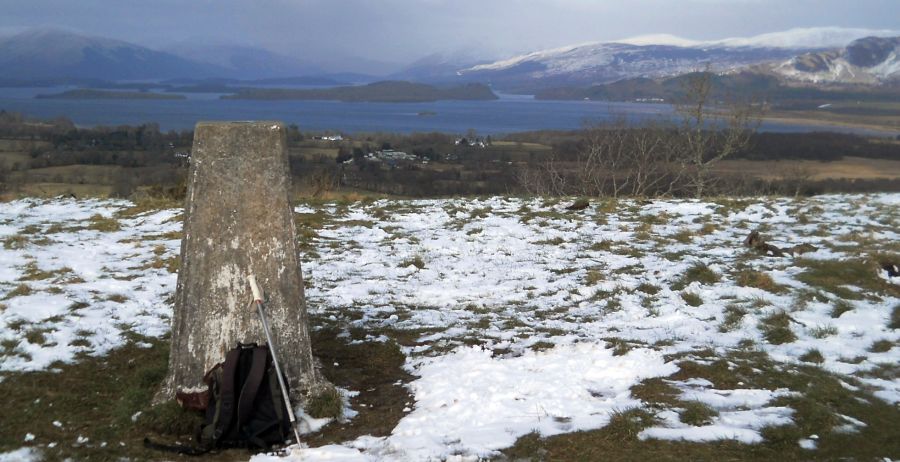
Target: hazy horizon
[(352, 35)]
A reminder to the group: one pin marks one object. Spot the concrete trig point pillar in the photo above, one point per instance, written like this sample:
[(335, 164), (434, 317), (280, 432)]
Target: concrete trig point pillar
[(238, 221)]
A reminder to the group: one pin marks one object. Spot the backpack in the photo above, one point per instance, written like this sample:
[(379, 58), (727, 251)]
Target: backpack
[(245, 406)]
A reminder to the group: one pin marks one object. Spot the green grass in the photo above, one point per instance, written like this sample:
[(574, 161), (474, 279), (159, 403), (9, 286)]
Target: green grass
[(98, 409), (836, 275), (98, 396)]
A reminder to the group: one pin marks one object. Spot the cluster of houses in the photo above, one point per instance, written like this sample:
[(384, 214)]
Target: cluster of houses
[(391, 157), (475, 142), (329, 138)]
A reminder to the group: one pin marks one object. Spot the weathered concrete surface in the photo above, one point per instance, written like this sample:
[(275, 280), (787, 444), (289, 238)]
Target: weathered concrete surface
[(238, 221)]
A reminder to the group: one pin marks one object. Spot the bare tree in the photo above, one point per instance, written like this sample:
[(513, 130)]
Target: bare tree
[(708, 132), (544, 179)]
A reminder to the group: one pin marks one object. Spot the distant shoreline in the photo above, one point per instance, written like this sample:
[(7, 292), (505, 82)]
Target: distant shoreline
[(378, 92), (84, 93)]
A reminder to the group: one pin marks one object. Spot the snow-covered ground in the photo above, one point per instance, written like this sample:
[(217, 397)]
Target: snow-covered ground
[(532, 318)]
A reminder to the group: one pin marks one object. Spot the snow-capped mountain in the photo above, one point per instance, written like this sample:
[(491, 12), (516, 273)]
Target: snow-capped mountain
[(656, 56), (869, 60)]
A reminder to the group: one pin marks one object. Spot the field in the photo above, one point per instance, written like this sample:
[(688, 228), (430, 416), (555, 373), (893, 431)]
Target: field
[(883, 115), (848, 168), (503, 328)]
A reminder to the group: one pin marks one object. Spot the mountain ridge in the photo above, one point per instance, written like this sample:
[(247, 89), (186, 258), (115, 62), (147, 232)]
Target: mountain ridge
[(654, 56), (54, 53)]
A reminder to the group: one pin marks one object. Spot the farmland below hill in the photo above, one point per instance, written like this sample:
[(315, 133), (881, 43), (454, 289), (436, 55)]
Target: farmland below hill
[(49, 158)]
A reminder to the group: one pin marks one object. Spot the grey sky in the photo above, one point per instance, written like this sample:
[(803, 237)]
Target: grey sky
[(400, 31)]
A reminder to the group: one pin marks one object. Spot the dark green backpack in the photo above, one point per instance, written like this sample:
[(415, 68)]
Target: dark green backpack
[(245, 408)]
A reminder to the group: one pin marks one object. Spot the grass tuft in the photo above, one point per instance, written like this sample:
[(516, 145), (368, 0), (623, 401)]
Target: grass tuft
[(685, 236), (620, 347), (326, 403), (895, 318), (15, 242), (103, 224), (759, 280), (824, 331), (734, 315), (627, 424), (647, 288), (776, 328), (603, 245), (692, 299), (696, 414), (656, 391), (841, 307), (812, 356), (414, 261), (698, 272), (881, 346), (594, 276), (20, 290)]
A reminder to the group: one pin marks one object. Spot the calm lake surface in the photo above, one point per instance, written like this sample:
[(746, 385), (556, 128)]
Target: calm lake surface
[(511, 113)]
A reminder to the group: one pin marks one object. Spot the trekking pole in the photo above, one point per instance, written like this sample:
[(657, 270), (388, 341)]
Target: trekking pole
[(257, 299)]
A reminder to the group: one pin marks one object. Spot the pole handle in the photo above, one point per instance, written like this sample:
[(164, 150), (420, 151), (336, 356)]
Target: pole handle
[(257, 295)]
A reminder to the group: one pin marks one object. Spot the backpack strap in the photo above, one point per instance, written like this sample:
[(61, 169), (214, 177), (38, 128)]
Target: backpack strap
[(277, 401), (251, 385), (226, 393)]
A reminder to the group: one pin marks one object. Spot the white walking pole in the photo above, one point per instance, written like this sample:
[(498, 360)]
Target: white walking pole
[(257, 299)]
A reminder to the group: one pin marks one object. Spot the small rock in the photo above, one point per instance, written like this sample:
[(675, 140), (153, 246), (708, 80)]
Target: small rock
[(579, 204)]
